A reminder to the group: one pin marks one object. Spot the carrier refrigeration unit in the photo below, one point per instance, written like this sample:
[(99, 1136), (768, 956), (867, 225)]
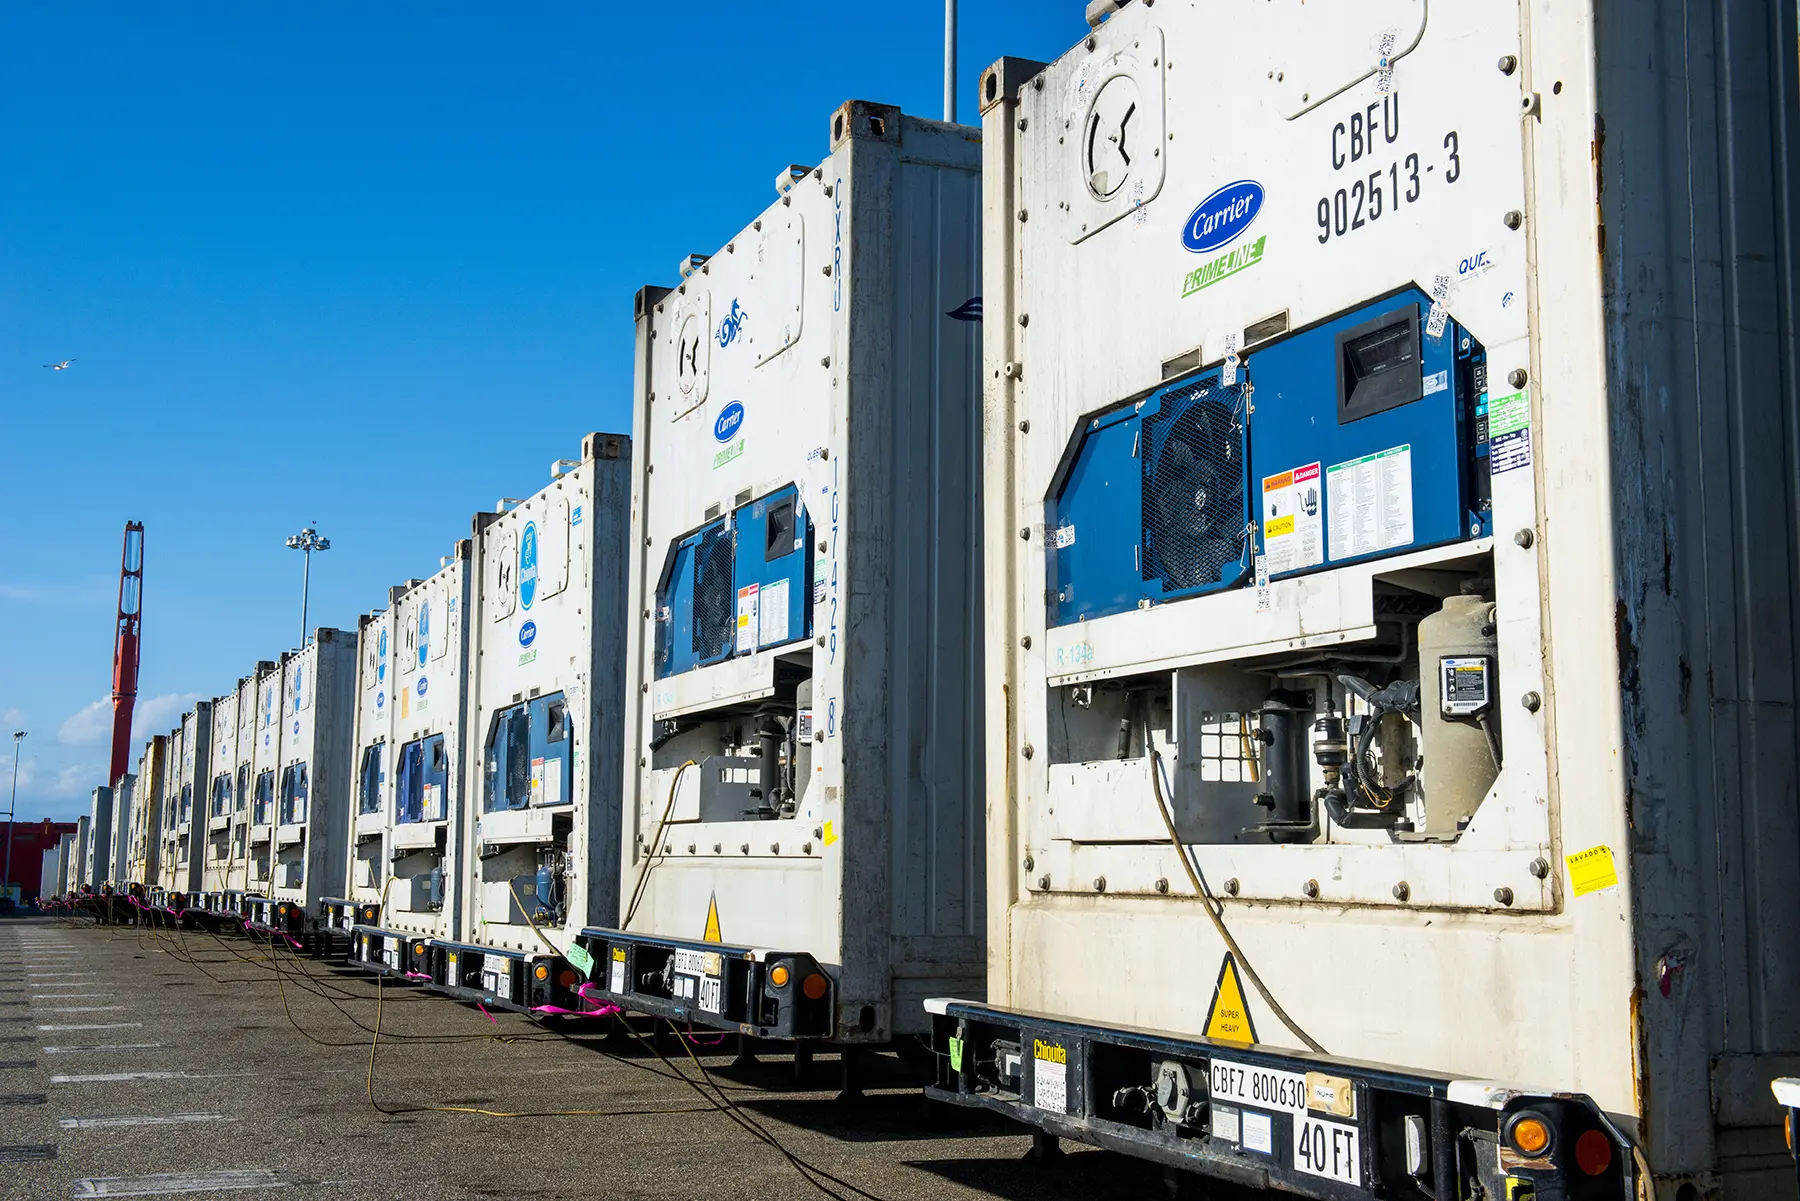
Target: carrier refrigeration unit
[(1390, 586), (538, 853), (312, 788), (366, 857), (802, 853), (417, 886), (265, 770)]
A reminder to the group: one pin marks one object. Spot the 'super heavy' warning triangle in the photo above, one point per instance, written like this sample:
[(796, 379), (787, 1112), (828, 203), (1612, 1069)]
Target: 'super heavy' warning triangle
[(1229, 1019), (712, 920)]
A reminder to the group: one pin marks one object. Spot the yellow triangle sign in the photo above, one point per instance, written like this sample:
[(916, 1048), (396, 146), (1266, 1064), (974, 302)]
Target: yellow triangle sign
[(712, 920), (1229, 1019)]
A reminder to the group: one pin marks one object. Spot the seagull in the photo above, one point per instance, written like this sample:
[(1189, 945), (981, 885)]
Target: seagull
[(62, 366)]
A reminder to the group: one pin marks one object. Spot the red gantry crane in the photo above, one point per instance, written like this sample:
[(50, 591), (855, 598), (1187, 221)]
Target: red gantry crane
[(125, 647)]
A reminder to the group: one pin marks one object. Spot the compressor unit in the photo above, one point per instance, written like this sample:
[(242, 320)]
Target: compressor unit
[(803, 646)]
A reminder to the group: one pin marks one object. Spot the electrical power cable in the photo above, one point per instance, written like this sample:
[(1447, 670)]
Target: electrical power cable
[(650, 860), (1214, 909)]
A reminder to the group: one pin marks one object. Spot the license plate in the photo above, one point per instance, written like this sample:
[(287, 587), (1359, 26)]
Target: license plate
[(1264, 1088)]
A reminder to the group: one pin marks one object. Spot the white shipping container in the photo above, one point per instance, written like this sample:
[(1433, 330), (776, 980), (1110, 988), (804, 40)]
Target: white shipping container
[(541, 769), (220, 798), (118, 850), (403, 888), (265, 773), (369, 800), (143, 858), (312, 787), (190, 825), (98, 869), (1390, 513), (79, 869), (802, 855), (170, 870)]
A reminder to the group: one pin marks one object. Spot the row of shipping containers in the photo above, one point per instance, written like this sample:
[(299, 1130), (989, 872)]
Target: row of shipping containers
[(1246, 605)]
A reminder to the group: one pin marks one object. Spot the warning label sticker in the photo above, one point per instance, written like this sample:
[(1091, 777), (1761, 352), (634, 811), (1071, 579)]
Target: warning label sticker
[(1371, 503), (1592, 870), (1464, 686), (1293, 520), (772, 627), (1509, 433), (1229, 1018), (747, 626)]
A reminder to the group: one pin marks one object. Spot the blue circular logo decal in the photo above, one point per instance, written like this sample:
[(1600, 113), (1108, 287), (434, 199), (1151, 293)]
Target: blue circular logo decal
[(296, 727), (424, 630), (380, 698), (731, 420), (528, 633), (422, 683), (1222, 216), (528, 567)]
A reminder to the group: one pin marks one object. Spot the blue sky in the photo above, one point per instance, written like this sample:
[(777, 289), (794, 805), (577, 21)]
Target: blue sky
[(369, 265)]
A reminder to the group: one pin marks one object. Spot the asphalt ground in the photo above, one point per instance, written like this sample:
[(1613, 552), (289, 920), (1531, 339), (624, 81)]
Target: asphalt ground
[(136, 1062)]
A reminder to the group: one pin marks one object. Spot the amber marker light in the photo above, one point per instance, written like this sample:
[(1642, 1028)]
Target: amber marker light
[(542, 971), (1529, 1134), (779, 976)]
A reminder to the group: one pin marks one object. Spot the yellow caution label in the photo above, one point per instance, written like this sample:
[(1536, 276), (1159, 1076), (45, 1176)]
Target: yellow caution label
[(1592, 870), (618, 954), (1229, 1020), (712, 920), (830, 834), (1279, 526)]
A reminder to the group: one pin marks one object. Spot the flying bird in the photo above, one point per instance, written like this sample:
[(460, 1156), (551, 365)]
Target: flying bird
[(62, 366)]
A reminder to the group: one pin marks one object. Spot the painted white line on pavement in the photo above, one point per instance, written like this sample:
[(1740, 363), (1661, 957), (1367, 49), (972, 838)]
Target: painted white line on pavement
[(164, 1183), (123, 1077), (111, 1123)]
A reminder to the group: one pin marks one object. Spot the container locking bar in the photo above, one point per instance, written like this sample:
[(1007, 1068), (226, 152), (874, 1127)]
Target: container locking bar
[(1305, 1124), (747, 990)]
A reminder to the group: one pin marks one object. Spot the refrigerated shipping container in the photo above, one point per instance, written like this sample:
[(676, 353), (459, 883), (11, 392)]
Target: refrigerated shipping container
[(1391, 572)]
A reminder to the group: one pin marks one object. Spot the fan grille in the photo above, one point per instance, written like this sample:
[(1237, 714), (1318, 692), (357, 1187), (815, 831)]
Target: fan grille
[(715, 615), (1194, 504)]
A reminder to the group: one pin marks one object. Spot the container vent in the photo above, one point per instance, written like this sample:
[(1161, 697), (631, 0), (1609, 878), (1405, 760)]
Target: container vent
[(1193, 488), (715, 616)]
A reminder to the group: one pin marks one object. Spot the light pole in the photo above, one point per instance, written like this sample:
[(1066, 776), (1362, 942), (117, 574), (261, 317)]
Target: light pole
[(950, 61), (308, 541), (12, 807)]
